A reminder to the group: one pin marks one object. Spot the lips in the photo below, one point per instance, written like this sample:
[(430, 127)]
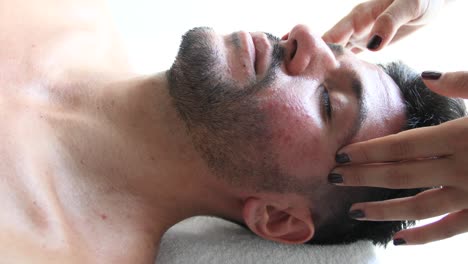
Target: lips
[(256, 50), (247, 53), (262, 53), (251, 50)]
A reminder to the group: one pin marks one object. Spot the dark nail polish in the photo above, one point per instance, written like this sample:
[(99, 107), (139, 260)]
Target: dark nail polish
[(356, 214), (335, 178), (374, 43), (342, 158), (431, 75), (399, 241)]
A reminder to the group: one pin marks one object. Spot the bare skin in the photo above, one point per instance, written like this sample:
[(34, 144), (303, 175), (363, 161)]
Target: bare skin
[(96, 163), (88, 148)]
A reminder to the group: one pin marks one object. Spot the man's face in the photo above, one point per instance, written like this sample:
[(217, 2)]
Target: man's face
[(314, 97)]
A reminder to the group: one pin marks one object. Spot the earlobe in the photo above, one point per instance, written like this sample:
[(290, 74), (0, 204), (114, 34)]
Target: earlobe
[(278, 223)]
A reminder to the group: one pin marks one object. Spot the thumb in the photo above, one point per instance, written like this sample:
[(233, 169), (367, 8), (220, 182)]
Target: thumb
[(388, 24), (451, 84)]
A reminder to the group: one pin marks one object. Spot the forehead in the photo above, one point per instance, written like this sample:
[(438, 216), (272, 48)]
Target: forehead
[(382, 99)]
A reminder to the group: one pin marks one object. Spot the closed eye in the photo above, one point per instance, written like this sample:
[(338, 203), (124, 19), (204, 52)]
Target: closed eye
[(326, 103)]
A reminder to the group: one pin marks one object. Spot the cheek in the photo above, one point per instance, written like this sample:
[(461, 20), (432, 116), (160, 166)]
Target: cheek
[(297, 140)]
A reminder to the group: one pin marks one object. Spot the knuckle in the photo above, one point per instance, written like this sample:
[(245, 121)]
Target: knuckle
[(388, 20), (420, 211), (417, 8), (357, 179), (362, 154), (464, 215), (358, 16), (375, 212), (400, 149), (395, 178), (330, 36), (448, 232), (455, 224), (451, 200), (460, 81), (422, 239), (458, 132), (458, 174), (360, 9)]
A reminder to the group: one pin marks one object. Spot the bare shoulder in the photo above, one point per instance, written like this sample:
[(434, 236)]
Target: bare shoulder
[(42, 223), (20, 250), (53, 43), (51, 53), (44, 217)]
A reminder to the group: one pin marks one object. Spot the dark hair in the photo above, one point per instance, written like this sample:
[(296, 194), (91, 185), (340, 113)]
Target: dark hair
[(423, 108)]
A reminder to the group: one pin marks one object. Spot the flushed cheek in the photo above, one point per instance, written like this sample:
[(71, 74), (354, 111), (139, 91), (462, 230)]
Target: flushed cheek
[(297, 140), (300, 151)]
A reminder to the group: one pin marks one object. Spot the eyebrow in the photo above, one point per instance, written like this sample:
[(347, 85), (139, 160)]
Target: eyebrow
[(356, 87), (338, 50)]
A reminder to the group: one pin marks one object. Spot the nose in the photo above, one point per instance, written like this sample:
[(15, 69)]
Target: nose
[(306, 51)]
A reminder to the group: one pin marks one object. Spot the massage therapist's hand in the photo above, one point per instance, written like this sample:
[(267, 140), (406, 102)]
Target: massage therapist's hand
[(377, 23), (434, 156)]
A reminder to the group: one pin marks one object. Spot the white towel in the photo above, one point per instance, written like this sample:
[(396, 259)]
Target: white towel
[(207, 240)]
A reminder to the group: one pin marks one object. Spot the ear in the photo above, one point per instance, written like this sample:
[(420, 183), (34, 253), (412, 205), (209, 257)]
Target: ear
[(278, 222)]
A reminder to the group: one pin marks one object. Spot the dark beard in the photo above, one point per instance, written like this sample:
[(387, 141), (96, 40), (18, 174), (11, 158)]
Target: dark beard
[(197, 77), (225, 121)]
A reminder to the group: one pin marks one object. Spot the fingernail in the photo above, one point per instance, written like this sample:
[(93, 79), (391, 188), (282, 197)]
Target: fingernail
[(335, 178), (374, 43), (342, 158), (399, 241), (431, 75), (356, 214)]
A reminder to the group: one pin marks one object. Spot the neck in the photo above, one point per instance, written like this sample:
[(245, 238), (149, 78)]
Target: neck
[(172, 179)]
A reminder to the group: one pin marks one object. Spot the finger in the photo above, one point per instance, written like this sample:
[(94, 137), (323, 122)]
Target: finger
[(400, 175), (356, 50), (358, 21), (449, 226), (340, 33), (404, 31), (388, 23), (425, 142), (451, 84), (427, 204)]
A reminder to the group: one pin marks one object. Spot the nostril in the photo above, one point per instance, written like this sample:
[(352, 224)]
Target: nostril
[(294, 49)]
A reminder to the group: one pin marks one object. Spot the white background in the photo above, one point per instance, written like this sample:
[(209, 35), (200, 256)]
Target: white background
[(152, 29)]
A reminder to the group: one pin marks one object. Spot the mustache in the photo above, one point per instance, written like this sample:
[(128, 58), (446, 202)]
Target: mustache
[(278, 51)]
